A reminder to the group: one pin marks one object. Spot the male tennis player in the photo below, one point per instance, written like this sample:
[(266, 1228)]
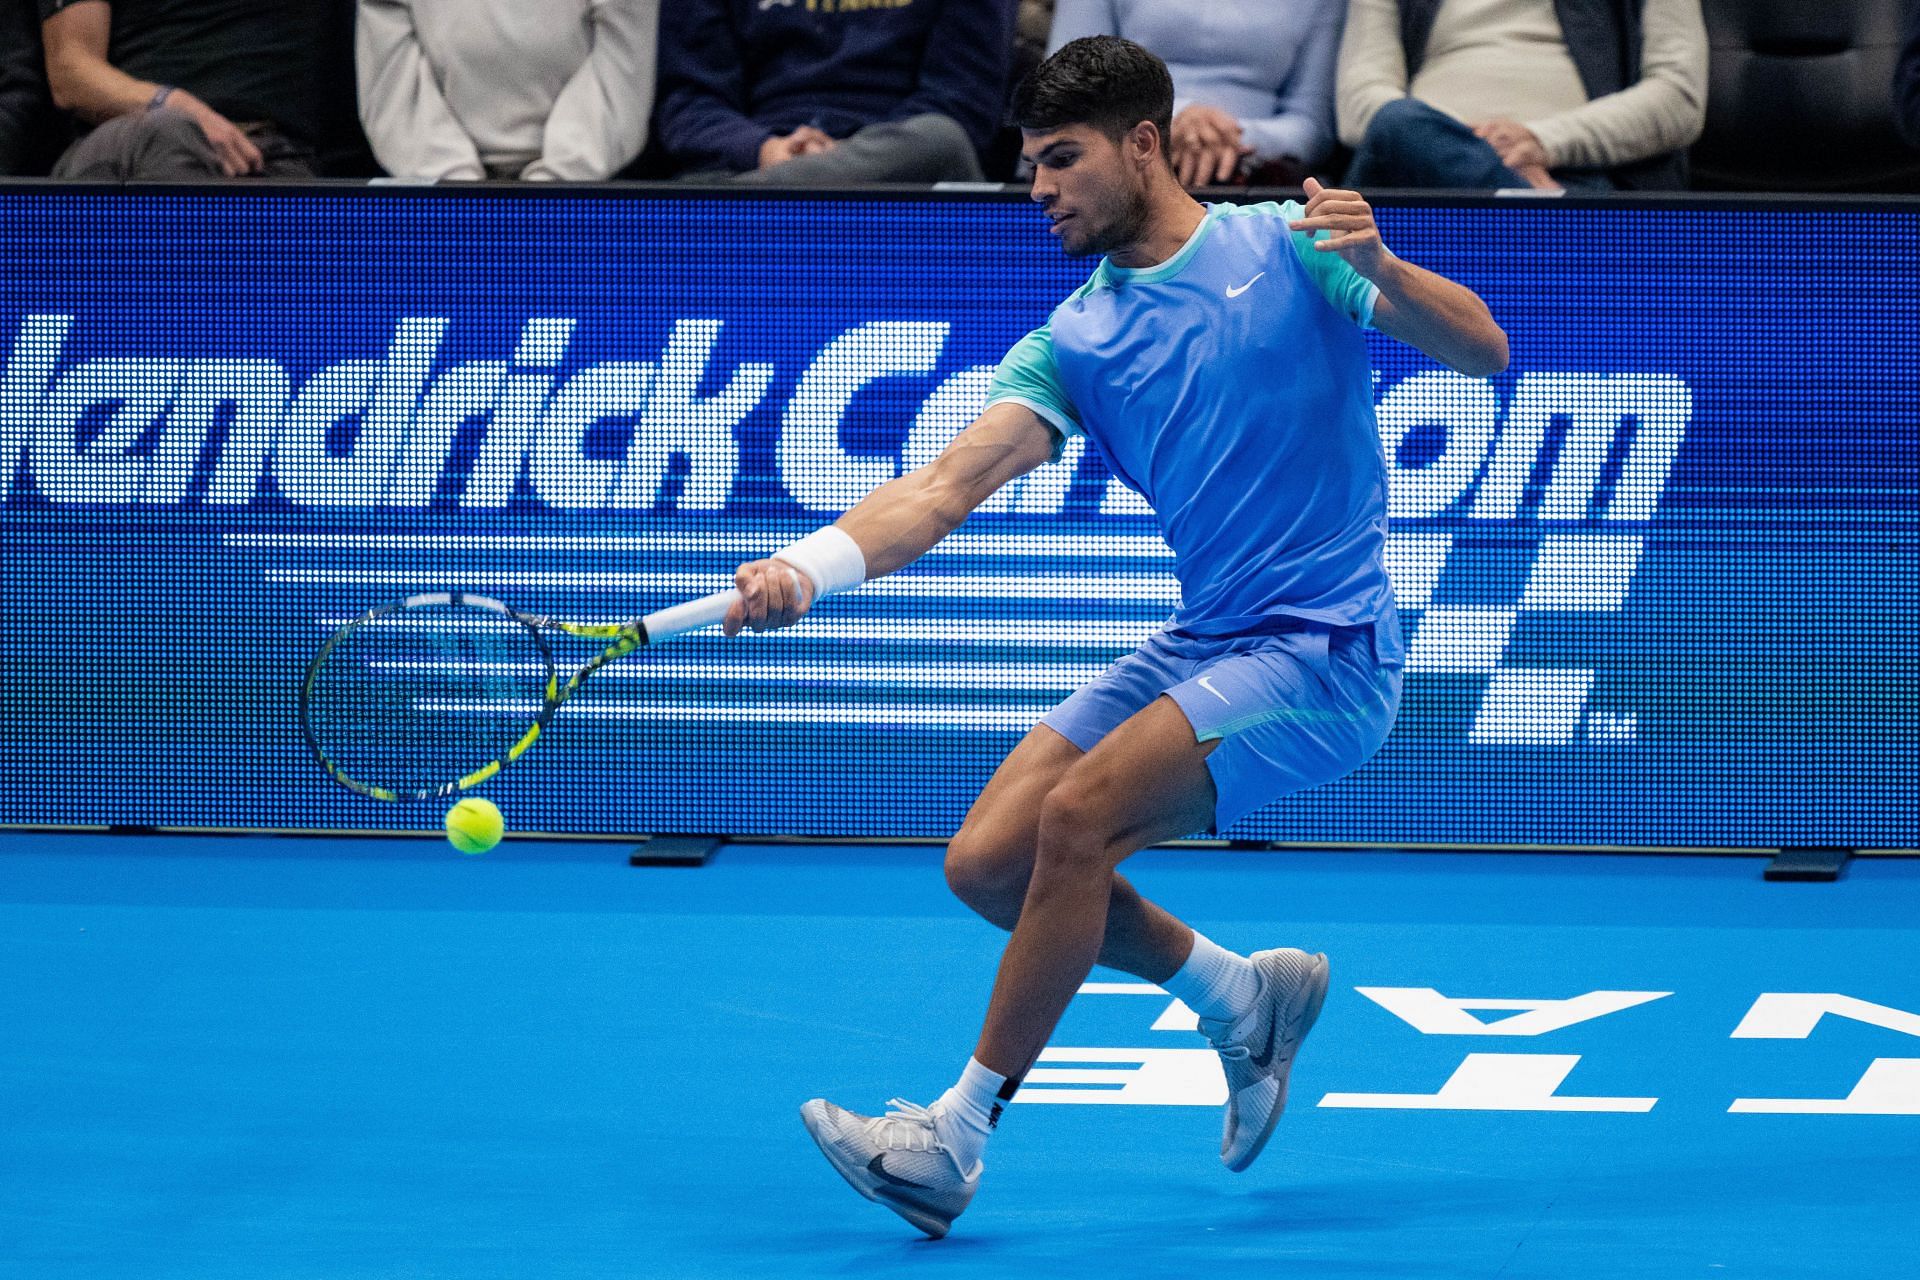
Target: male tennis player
[(1216, 358)]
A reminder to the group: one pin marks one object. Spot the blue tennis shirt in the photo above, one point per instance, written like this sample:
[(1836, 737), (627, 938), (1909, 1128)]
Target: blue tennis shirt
[(1230, 386)]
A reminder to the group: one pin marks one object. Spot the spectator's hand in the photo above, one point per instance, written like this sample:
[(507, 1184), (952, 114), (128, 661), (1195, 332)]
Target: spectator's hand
[(1206, 146), (1519, 149), (236, 152), (773, 594), (804, 141), (1348, 215), (1537, 177)]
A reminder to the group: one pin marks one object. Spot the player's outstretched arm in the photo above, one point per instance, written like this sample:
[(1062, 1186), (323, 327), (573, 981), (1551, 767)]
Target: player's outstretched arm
[(1447, 321), (894, 525)]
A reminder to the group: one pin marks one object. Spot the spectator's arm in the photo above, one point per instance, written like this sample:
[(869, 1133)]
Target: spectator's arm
[(1075, 18), (1372, 66), (1302, 123), (963, 74), (413, 131), (78, 74), (599, 121), (1906, 80), (1664, 111), (703, 121)]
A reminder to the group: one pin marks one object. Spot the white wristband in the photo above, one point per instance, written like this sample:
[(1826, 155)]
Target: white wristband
[(830, 557)]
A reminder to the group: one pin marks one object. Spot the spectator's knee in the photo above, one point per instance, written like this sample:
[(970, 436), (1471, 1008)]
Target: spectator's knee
[(168, 125), (1393, 124), (946, 148)]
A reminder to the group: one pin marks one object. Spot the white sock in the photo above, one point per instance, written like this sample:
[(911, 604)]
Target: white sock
[(1214, 982), (965, 1115)]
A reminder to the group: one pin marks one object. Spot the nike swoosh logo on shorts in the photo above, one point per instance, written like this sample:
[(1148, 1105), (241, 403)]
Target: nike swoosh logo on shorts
[(878, 1168), (1206, 682), (1234, 293)]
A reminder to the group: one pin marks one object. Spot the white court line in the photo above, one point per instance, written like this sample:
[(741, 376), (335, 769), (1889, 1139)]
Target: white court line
[(1111, 636), (1007, 678), (945, 717), (1113, 546), (1156, 589)]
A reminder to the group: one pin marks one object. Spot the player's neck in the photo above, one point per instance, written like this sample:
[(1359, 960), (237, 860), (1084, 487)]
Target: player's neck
[(1171, 218)]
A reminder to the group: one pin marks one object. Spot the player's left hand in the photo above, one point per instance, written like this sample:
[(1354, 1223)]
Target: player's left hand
[(1348, 215)]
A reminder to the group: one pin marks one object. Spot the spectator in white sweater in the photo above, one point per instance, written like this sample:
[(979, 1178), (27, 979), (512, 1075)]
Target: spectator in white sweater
[(1508, 93), (505, 89), (1252, 81)]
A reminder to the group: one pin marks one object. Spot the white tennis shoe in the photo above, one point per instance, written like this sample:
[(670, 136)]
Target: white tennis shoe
[(896, 1160), (1257, 1048)]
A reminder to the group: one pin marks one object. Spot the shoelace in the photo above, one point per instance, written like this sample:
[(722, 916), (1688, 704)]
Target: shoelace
[(1233, 1052), (907, 1126)]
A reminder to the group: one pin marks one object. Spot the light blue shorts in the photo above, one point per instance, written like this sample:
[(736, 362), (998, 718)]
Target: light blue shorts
[(1293, 707)]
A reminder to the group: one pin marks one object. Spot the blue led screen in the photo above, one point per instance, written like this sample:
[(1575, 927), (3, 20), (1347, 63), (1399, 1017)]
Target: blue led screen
[(1658, 578)]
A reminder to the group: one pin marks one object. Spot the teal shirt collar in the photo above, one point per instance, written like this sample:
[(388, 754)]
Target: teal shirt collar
[(1110, 274)]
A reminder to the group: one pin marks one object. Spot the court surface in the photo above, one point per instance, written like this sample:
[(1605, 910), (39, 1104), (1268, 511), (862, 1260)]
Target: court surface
[(254, 1058)]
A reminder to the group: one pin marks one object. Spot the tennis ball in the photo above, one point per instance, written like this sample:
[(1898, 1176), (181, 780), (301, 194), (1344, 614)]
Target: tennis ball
[(474, 825)]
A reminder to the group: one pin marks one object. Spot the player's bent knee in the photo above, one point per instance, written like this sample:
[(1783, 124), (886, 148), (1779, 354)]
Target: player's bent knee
[(1075, 824), (988, 873)]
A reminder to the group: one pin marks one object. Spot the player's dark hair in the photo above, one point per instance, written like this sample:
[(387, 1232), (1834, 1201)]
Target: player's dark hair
[(1107, 82)]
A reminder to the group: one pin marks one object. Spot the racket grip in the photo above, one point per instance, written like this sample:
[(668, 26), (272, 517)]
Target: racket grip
[(691, 616)]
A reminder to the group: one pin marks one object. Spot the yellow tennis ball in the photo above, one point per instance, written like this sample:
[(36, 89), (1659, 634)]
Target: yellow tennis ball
[(474, 825)]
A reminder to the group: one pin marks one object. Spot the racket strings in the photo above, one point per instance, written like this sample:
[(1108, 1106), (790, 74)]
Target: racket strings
[(413, 700)]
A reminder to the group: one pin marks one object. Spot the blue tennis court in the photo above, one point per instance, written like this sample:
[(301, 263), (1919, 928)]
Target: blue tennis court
[(253, 1057)]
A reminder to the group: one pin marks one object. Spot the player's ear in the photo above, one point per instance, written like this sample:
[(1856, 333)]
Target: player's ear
[(1144, 143)]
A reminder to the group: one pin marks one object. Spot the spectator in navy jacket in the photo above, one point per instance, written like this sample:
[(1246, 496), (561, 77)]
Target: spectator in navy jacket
[(823, 92)]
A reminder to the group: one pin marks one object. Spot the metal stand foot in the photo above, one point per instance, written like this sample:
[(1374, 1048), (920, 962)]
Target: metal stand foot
[(675, 851), (1809, 862)]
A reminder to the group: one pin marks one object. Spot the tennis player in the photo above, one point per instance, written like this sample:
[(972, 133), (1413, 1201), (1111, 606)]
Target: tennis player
[(1215, 356)]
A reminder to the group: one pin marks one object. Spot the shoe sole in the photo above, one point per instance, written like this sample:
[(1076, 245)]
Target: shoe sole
[(855, 1176), (1316, 992)]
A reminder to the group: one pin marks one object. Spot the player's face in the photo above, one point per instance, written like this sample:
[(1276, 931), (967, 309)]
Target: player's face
[(1094, 196)]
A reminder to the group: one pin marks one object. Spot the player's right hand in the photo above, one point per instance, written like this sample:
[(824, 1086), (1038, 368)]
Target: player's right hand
[(773, 594)]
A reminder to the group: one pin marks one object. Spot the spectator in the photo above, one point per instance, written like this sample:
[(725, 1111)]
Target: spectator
[(506, 89), (26, 111), (1033, 22), (823, 92), (1906, 80), (1510, 93), (1252, 81), (183, 89)]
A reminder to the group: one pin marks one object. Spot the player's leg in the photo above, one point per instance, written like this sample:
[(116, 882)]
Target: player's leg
[(1260, 718), (990, 860), (1250, 722), (1145, 782)]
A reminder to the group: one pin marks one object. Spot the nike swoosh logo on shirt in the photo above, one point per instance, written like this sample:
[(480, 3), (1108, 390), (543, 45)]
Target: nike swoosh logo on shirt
[(878, 1168), (1234, 293), (1206, 682)]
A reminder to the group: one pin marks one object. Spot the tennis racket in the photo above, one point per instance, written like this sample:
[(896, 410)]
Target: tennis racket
[(434, 694)]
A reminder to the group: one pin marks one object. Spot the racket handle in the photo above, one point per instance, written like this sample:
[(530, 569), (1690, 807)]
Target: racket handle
[(691, 616)]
